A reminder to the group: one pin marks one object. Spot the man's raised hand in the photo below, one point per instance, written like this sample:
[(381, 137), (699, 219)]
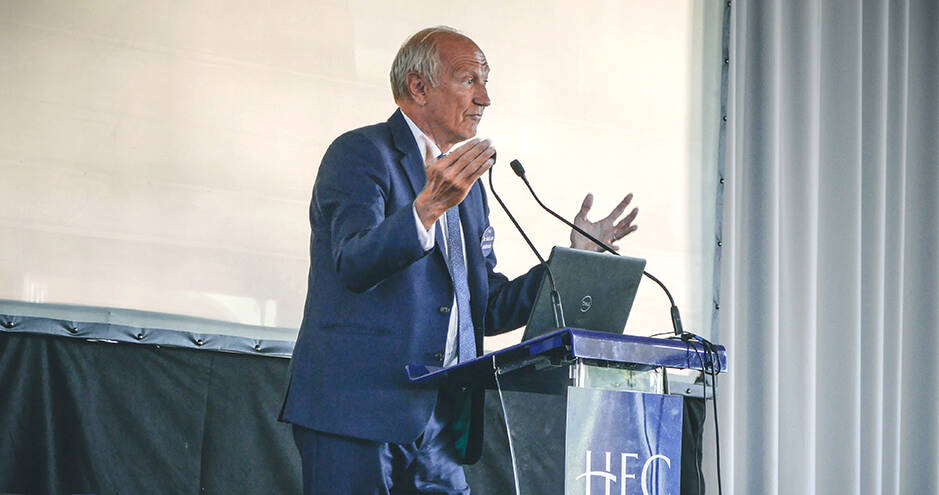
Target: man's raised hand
[(607, 230), (450, 178)]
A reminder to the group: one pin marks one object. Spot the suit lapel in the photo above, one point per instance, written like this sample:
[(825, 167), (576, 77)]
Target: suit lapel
[(412, 164), (411, 161)]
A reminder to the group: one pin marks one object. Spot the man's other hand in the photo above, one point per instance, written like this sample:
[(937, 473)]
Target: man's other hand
[(608, 229), (450, 178)]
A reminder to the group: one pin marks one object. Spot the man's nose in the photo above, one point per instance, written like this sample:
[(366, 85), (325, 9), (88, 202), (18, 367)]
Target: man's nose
[(482, 97)]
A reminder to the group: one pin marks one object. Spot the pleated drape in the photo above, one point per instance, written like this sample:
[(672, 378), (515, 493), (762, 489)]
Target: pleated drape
[(830, 233)]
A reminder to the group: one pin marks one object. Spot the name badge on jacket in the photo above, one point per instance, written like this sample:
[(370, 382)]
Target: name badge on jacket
[(489, 235)]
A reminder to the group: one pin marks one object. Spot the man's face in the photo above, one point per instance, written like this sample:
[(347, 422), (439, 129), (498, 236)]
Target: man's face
[(455, 106)]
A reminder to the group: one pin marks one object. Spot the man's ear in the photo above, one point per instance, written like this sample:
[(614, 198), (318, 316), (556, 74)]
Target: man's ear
[(417, 88)]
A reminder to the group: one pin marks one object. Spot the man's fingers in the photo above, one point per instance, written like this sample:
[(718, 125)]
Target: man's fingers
[(629, 230), (625, 226), (451, 177), (463, 148), (486, 165), (584, 207), (480, 164), (451, 158), (619, 208), (462, 162), (628, 219), (466, 170), (468, 156)]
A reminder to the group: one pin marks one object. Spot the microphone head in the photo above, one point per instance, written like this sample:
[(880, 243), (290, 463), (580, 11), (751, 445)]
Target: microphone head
[(518, 168)]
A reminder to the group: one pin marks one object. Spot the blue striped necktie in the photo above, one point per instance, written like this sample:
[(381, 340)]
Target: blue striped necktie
[(457, 262)]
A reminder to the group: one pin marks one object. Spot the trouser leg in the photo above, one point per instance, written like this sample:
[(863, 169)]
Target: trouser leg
[(340, 465)]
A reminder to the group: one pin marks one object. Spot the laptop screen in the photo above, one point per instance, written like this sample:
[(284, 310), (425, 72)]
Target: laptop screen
[(597, 291)]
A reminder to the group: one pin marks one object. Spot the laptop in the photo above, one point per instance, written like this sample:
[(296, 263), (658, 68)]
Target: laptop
[(597, 291)]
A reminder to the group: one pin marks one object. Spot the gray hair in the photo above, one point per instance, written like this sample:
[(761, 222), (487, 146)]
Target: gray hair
[(418, 54)]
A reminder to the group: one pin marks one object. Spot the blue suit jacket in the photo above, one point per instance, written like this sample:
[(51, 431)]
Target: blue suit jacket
[(377, 301)]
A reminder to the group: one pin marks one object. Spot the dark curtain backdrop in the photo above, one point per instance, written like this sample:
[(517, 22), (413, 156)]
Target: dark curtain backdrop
[(94, 417), (80, 417)]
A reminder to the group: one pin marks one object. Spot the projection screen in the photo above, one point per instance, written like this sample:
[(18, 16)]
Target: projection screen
[(161, 157)]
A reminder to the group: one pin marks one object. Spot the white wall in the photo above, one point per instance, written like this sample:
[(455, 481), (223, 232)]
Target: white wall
[(160, 156)]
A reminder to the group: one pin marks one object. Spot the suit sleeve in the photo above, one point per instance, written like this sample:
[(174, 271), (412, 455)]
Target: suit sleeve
[(510, 301), (368, 244)]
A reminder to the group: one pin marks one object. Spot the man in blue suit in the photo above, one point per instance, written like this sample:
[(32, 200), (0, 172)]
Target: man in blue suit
[(402, 271)]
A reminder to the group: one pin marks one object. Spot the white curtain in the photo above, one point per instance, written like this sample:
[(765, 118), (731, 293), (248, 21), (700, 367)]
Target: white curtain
[(829, 289)]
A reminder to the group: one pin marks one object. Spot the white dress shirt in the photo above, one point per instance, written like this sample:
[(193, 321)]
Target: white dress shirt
[(427, 237)]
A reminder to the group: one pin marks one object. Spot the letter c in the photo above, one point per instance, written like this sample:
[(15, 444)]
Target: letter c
[(645, 469)]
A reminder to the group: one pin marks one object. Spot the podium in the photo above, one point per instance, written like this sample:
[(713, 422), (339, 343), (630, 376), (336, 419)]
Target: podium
[(604, 422)]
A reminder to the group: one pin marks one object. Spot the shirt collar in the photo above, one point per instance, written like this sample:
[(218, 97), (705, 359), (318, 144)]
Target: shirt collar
[(423, 140)]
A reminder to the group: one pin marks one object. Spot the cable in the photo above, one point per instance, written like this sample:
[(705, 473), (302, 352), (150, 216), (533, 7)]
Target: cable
[(712, 357), (717, 431), (710, 351), (508, 432), (661, 334), (704, 383)]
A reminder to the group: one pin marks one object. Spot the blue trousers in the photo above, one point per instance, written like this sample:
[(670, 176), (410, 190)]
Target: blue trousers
[(341, 465)]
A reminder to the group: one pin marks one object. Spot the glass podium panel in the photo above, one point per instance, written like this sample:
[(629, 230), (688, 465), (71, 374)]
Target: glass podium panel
[(607, 375)]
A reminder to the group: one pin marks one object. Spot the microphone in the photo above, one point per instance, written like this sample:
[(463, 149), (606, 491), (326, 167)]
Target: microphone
[(555, 295), (675, 315)]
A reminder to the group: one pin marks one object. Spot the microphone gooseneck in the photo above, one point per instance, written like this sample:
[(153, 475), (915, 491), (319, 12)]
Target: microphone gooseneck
[(555, 295), (675, 314)]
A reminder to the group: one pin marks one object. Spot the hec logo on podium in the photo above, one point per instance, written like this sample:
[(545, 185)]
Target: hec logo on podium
[(622, 443), (627, 464)]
